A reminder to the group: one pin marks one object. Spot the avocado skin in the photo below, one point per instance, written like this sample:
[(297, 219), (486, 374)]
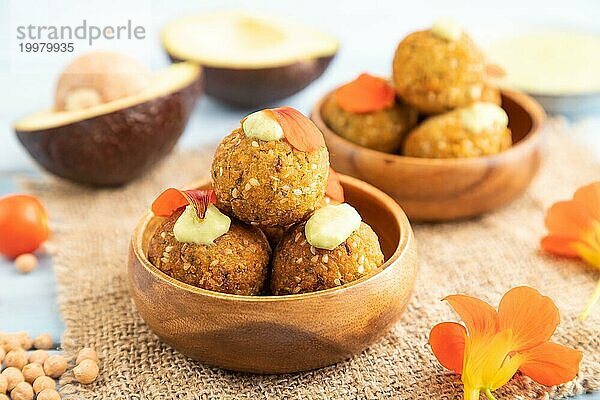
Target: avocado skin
[(252, 88), (114, 148)]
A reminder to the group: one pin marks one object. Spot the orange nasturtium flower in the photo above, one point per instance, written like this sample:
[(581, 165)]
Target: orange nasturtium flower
[(574, 231), (492, 345)]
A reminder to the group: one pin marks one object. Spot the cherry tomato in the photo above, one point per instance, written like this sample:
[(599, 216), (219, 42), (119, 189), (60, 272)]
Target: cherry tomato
[(23, 225)]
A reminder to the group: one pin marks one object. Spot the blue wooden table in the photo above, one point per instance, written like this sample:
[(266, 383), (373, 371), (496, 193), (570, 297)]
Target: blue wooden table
[(28, 301)]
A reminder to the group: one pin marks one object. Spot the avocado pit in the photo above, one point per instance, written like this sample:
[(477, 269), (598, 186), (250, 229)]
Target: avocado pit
[(112, 123), (99, 77)]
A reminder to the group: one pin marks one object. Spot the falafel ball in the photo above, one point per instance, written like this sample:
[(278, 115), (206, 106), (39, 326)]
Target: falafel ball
[(269, 183), (439, 69), (300, 267), (236, 263), (381, 130), (274, 234), (477, 130)]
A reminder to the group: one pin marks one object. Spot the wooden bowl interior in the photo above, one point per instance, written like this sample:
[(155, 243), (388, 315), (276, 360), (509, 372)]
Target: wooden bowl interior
[(520, 121)]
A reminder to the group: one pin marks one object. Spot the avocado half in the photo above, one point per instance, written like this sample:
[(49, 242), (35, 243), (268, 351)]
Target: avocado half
[(114, 142), (250, 61)]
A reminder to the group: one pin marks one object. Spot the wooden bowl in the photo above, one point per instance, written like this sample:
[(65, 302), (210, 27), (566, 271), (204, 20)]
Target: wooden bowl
[(446, 189), (281, 334)]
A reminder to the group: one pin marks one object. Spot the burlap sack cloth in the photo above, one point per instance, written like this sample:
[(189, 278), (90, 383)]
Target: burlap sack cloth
[(482, 257)]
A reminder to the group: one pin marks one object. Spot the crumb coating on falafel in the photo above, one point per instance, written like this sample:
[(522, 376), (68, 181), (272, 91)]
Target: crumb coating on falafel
[(446, 136), (299, 267), (436, 75), (381, 130), (268, 183), (236, 263)]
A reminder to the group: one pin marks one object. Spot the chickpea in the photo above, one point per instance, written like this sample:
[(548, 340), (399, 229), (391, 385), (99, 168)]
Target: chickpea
[(13, 377), (32, 371), (86, 372), (55, 366), (43, 341), (3, 384), (42, 383), (23, 391), (86, 354), (38, 356), (25, 263), (12, 342), (16, 358), (2, 355), (4, 397), (25, 340), (48, 394)]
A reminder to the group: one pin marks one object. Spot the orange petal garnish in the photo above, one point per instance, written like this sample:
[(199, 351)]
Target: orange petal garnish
[(173, 199), (447, 341), (298, 130), (479, 317), (334, 189), (495, 71), (531, 325), (551, 364), (365, 94)]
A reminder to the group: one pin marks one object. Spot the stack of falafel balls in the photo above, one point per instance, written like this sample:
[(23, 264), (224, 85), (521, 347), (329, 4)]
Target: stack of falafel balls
[(440, 78), (276, 222)]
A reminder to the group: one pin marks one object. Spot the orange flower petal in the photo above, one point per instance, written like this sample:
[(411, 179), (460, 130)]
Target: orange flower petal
[(447, 341), (172, 199), (298, 130), (167, 202), (334, 189), (559, 246), (551, 364), (479, 317), (567, 219), (588, 197), (533, 318), (366, 93), (589, 248)]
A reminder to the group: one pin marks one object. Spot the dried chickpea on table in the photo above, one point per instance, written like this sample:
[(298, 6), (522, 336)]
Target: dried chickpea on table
[(28, 370)]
